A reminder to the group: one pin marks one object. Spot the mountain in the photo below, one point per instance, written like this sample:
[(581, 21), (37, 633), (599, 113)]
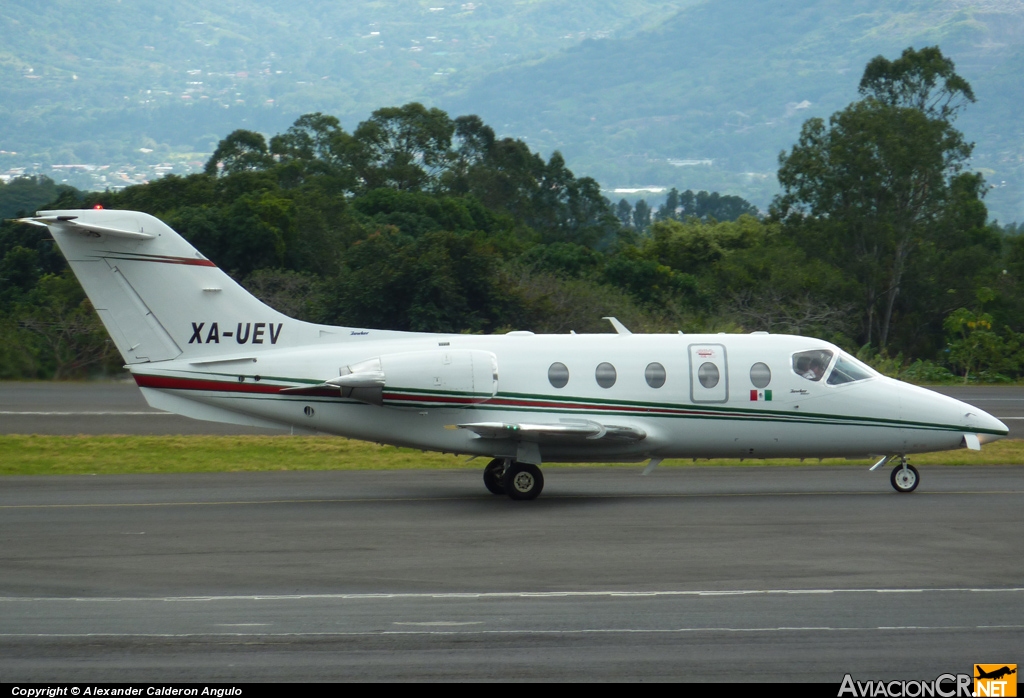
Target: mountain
[(696, 94), (82, 81), (709, 98)]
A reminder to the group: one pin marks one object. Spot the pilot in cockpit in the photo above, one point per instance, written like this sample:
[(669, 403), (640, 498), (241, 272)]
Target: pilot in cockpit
[(811, 364)]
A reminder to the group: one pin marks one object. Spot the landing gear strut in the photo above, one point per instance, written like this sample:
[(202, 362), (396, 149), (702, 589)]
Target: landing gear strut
[(904, 477)]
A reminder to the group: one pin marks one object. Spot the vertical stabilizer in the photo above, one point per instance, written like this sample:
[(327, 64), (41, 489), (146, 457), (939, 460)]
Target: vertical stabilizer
[(158, 297)]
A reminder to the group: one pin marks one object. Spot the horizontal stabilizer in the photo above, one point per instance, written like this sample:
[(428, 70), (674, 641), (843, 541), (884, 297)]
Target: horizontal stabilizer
[(83, 227), (566, 430)]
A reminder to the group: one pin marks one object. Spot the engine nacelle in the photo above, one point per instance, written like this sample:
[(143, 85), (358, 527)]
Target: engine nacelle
[(442, 378)]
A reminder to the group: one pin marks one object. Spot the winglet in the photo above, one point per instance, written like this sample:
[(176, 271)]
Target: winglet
[(619, 327)]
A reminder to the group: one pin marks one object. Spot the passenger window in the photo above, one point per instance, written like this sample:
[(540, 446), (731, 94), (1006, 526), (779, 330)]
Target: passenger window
[(605, 375), (708, 375), (760, 375), (812, 364), (848, 370), (558, 375), (655, 375)]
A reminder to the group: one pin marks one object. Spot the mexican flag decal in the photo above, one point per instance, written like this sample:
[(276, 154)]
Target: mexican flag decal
[(761, 395)]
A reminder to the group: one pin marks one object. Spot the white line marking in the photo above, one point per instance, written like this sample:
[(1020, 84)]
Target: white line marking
[(996, 399), (441, 622), (86, 414), (581, 631), (468, 595), (240, 625)]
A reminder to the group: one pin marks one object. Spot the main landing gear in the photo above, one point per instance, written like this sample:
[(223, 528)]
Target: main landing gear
[(517, 480), (904, 477)]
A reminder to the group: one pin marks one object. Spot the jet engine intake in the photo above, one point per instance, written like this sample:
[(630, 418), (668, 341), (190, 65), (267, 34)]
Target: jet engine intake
[(449, 378)]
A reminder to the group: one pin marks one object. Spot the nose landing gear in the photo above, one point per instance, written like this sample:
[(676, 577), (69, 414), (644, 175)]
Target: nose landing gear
[(520, 481), (904, 477)]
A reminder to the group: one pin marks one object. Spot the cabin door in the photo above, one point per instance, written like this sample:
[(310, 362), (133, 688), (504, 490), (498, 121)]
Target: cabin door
[(709, 373)]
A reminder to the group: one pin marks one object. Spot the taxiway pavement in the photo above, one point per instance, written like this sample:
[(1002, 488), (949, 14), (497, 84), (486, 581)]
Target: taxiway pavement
[(750, 573)]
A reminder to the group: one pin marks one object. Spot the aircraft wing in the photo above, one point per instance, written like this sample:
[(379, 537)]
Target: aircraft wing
[(567, 430)]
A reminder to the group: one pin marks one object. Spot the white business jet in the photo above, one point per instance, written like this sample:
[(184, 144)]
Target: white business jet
[(199, 345)]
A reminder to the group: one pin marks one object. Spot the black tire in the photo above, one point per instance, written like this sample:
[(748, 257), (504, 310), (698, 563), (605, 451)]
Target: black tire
[(523, 481), (904, 482), (493, 476)]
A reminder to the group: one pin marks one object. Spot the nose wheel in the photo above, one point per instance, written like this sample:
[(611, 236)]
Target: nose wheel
[(904, 477)]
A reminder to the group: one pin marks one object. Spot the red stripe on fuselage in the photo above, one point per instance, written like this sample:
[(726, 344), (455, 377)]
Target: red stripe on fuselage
[(171, 383)]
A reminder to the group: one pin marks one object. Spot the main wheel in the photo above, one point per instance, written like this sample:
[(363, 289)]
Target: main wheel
[(904, 480), (493, 474), (523, 481)]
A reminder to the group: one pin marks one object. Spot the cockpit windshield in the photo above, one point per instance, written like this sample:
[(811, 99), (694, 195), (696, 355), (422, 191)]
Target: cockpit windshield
[(848, 370), (812, 364)]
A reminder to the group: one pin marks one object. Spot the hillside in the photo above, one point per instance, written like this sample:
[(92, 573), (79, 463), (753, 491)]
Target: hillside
[(732, 81), (693, 94), (80, 83)]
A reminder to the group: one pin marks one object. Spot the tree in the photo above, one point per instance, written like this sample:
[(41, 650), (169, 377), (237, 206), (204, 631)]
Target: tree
[(705, 206), (406, 147), (882, 178), (241, 151), (624, 212), (23, 195), (913, 81), (641, 215), (568, 209)]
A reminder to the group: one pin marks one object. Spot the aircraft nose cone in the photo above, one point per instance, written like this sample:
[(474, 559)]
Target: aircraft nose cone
[(987, 427)]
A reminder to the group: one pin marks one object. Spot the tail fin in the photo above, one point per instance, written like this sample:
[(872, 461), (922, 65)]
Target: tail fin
[(158, 297)]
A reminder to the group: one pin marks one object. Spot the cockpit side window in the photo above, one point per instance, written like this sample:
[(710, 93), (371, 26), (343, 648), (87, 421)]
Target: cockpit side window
[(812, 364), (848, 370)]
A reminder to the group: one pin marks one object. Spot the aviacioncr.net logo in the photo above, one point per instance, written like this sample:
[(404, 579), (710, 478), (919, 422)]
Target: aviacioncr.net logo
[(945, 686), (995, 680)]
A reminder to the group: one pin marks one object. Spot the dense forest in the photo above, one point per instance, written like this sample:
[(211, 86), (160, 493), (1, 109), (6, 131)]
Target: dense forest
[(879, 241)]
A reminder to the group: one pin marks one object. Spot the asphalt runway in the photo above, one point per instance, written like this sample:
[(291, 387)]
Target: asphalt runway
[(119, 408), (701, 574), (105, 407)]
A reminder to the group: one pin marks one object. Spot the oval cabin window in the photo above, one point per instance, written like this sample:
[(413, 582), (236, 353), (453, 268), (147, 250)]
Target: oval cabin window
[(605, 375), (760, 375), (708, 375), (655, 375), (558, 375)]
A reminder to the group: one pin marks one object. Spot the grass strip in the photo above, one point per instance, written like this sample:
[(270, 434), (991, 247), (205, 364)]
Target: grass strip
[(108, 455)]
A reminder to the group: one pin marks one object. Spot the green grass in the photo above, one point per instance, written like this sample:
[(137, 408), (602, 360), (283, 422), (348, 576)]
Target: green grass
[(107, 455)]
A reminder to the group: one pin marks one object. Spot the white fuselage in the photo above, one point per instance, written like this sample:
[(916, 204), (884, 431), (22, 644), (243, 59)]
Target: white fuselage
[(681, 418), (200, 345)]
